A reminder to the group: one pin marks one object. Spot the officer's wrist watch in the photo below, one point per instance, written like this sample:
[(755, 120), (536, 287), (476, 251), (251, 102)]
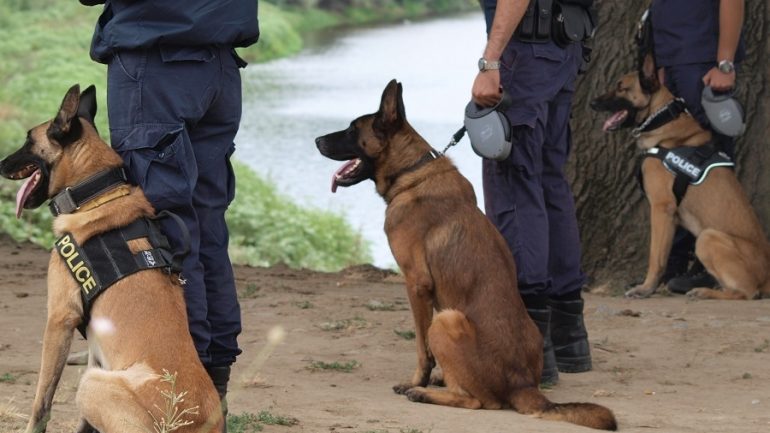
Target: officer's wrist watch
[(486, 65), (726, 66)]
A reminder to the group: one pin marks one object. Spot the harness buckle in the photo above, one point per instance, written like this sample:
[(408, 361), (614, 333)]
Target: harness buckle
[(63, 203)]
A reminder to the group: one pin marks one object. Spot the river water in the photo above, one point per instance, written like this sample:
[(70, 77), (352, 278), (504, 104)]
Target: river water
[(289, 102)]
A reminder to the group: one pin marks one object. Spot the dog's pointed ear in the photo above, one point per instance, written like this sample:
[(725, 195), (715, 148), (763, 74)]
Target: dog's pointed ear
[(62, 123), (87, 104), (392, 113), (648, 74)]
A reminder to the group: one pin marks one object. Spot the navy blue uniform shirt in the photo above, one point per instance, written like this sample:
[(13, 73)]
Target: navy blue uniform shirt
[(131, 24), (687, 32)]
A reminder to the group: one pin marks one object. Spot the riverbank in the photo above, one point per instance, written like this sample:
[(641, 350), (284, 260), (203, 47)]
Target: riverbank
[(41, 64)]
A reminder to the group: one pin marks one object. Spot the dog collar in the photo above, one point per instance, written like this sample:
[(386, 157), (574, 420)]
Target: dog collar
[(73, 198), (663, 115), (427, 157)]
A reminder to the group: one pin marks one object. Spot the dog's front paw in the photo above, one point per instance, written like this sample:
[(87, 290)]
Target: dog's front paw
[(402, 388), (640, 291), (417, 394)]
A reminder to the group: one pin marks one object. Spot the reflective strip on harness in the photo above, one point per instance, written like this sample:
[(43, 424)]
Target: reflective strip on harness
[(689, 165)]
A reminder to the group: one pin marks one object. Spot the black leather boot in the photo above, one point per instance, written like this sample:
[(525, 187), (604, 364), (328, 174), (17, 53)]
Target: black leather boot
[(541, 317), (569, 336), (220, 376), (696, 277)]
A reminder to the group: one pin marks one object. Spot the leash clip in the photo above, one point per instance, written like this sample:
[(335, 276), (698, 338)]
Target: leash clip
[(456, 137)]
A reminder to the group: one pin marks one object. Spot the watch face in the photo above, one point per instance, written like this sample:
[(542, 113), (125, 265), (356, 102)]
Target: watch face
[(482, 64), (726, 67)]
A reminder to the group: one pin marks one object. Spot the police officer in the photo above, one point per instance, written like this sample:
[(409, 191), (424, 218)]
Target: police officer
[(696, 44), (527, 196), (174, 104)]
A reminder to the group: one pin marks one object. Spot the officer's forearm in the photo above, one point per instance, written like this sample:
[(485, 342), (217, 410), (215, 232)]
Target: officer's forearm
[(730, 23), (507, 17)]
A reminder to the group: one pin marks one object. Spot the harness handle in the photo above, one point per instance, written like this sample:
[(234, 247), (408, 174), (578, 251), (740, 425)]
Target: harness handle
[(178, 256)]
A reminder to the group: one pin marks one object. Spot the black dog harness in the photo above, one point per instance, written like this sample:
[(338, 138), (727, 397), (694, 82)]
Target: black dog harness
[(105, 259), (689, 165)]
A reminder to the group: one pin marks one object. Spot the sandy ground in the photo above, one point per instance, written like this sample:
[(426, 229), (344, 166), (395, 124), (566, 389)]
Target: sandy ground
[(662, 364)]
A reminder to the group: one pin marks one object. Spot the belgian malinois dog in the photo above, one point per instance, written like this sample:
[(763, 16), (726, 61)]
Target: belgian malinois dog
[(138, 329), (456, 263), (730, 241)]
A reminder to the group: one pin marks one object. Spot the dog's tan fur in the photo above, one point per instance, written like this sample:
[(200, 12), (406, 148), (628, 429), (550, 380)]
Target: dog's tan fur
[(456, 262), (144, 314), (730, 241)]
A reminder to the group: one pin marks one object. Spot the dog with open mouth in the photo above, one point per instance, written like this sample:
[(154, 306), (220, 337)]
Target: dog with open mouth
[(455, 263), (688, 182), (141, 354)]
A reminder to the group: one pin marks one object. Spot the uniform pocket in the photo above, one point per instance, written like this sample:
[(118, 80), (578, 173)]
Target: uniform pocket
[(159, 158), (131, 62), (171, 53)]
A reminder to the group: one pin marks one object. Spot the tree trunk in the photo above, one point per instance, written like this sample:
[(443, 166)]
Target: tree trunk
[(612, 210)]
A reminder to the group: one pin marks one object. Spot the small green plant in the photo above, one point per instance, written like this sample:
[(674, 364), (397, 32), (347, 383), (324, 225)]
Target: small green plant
[(251, 291), (345, 324), (375, 305), (266, 417), (746, 376), (410, 430), (172, 415), (244, 423), (406, 335), (762, 347), (346, 367), (304, 305), (248, 422), (8, 378)]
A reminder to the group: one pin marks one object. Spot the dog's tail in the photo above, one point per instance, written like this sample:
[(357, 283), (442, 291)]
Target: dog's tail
[(532, 401)]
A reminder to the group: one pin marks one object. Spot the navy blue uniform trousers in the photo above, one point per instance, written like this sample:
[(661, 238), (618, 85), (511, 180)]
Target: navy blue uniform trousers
[(527, 197), (173, 114)]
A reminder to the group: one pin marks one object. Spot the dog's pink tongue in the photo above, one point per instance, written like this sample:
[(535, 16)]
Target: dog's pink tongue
[(25, 190), (340, 171), (614, 120)]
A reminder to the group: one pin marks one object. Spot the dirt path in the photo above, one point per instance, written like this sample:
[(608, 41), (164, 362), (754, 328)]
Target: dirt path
[(662, 364)]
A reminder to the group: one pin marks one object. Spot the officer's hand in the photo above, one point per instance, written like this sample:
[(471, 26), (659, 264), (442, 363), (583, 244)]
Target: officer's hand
[(486, 90), (718, 80)]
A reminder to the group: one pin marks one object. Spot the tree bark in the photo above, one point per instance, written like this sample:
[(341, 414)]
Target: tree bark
[(612, 210)]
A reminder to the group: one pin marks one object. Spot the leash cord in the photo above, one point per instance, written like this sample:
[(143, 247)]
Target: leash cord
[(456, 137)]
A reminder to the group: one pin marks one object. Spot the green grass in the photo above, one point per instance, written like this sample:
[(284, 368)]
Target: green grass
[(344, 324), (303, 305), (248, 422), (8, 378), (406, 335), (244, 423), (343, 367), (375, 305)]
